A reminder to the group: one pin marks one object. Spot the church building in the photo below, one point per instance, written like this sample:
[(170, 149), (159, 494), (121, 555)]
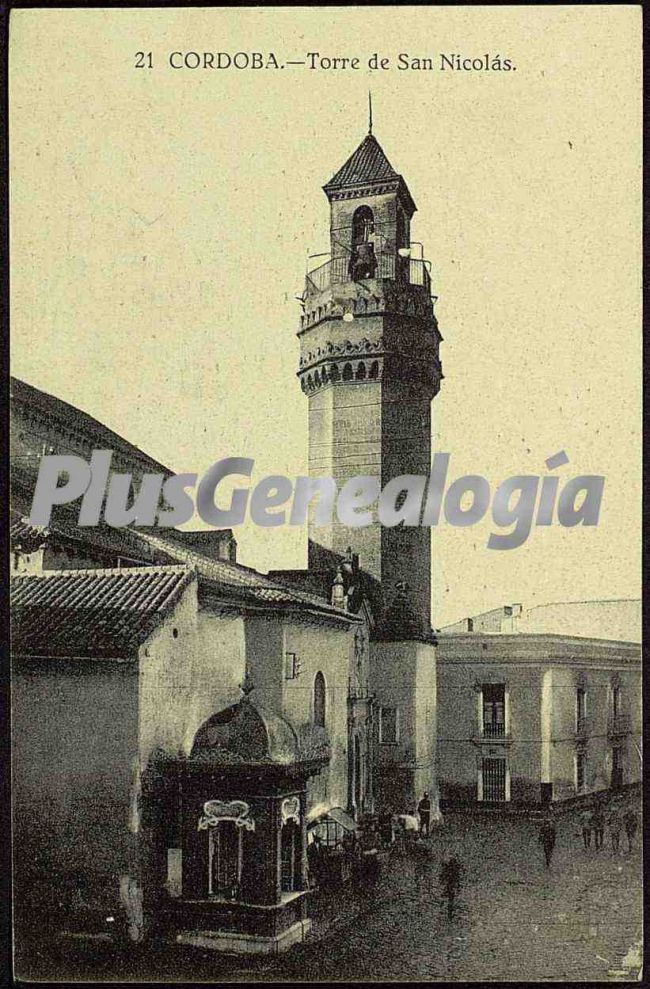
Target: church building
[(182, 725)]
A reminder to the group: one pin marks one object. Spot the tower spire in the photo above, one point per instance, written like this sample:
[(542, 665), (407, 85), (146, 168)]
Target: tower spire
[(369, 112)]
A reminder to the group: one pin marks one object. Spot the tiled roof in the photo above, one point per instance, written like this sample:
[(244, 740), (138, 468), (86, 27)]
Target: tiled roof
[(367, 164), (103, 614), (99, 541), (254, 586), (240, 585), (315, 582), (26, 537)]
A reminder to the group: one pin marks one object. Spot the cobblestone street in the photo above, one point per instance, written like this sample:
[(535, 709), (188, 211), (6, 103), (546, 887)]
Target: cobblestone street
[(514, 921)]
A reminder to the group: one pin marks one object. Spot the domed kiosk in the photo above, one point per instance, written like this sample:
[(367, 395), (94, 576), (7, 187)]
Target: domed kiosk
[(243, 810)]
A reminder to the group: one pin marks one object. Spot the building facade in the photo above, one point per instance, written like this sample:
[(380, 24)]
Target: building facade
[(235, 710), (528, 718), (122, 680), (128, 645)]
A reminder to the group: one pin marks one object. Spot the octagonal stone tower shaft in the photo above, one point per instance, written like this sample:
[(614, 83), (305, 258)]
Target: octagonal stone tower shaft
[(369, 365)]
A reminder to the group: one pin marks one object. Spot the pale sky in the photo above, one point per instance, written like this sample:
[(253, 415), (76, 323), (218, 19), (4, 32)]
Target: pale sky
[(160, 221)]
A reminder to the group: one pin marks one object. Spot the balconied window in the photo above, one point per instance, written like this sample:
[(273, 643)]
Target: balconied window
[(581, 772), (617, 766), (494, 710), (618, 723)]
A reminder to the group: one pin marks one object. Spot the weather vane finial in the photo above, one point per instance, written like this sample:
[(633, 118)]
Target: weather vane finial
[(369, 112)]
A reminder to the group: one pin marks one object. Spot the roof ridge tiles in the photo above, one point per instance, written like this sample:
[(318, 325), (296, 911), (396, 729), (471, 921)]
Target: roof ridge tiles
[(157, 568)]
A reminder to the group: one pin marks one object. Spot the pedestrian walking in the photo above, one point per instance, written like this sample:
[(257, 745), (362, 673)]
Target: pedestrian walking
[(598, 825), (615, 825), (450, 876), (586, 823), (630, 823), (315, 860), (424, 810), (547, 836)]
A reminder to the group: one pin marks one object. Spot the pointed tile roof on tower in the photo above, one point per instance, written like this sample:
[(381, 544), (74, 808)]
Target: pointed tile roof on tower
[(367, 164)]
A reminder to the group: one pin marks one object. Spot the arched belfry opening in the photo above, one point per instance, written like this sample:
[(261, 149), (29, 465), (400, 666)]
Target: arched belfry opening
[(363, 260), (363, 225)]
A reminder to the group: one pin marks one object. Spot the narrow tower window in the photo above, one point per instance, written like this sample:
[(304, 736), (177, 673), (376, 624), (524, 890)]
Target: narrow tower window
[(319, 700)]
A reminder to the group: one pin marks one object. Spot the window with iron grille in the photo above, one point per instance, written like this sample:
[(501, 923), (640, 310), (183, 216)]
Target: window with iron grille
[(330, 832), (617, 766)]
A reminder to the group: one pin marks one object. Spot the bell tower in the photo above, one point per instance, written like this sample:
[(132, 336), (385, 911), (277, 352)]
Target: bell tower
[(369, 366)]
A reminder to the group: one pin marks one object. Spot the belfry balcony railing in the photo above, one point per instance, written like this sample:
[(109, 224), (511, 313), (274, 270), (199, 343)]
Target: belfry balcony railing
[(414, 271)]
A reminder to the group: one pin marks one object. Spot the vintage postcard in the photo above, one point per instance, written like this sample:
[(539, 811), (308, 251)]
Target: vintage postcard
[(325, 524)]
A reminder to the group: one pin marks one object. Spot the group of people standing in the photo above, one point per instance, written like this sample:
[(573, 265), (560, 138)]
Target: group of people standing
[(619, 819), (594, 820)]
